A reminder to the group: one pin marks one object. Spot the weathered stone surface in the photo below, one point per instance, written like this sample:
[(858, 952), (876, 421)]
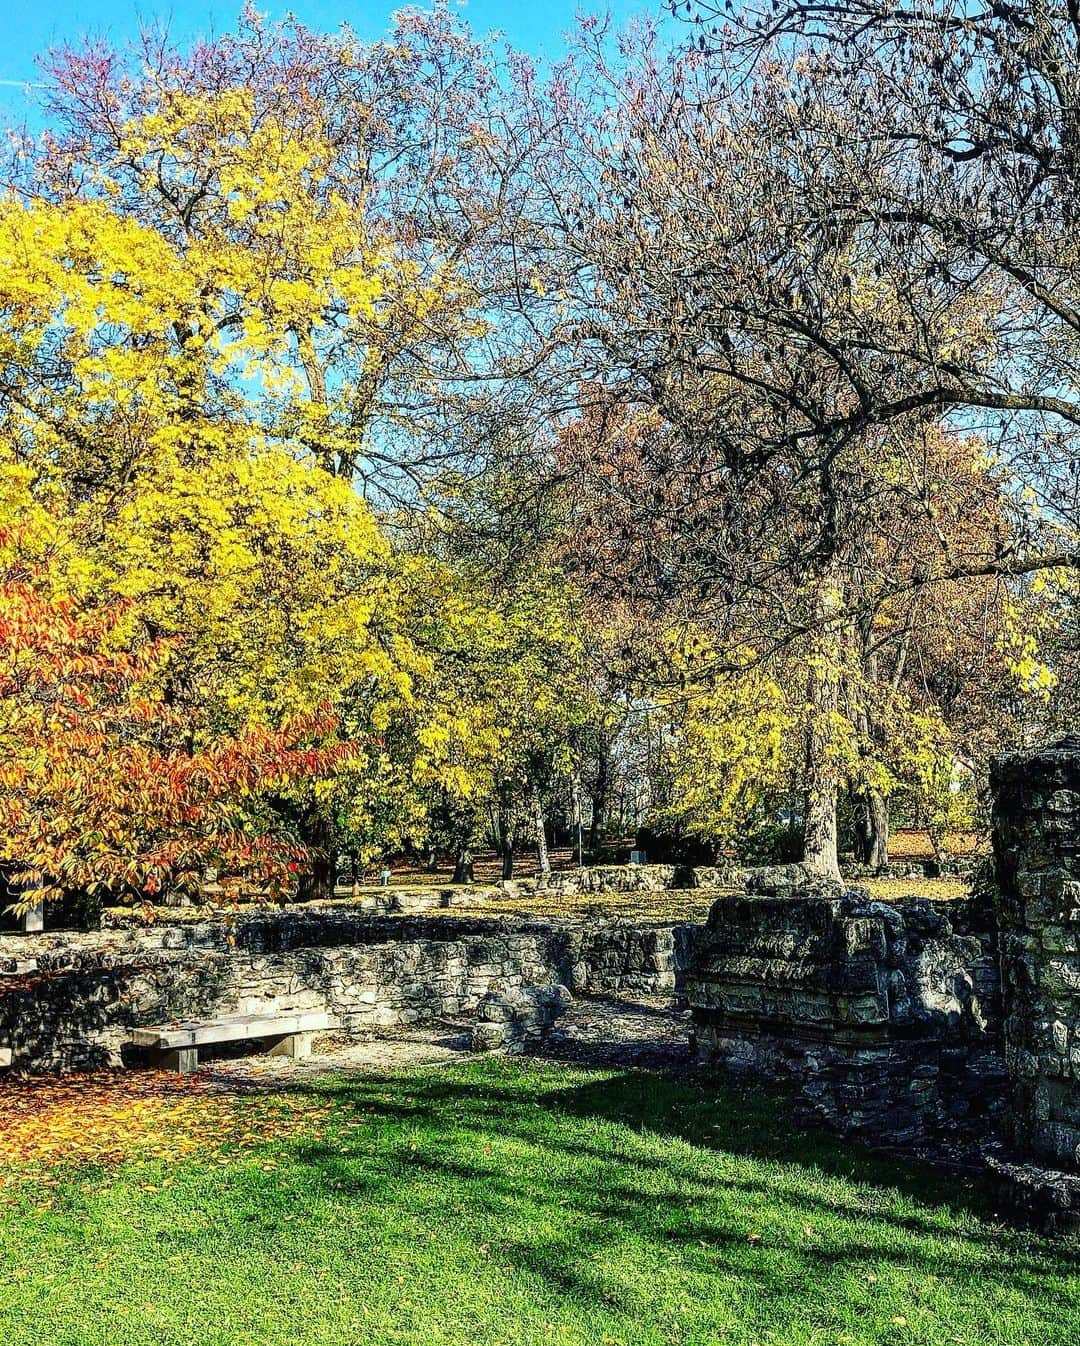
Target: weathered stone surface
[(613, 879), (70, 1001), (789, 880), (886, 1016), (641, 878), (1045, 1197), (958, 867), (510, 1020), (1037, 850)]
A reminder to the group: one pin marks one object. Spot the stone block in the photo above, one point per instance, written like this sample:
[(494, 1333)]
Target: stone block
[(507, 1019), (295, 1045)]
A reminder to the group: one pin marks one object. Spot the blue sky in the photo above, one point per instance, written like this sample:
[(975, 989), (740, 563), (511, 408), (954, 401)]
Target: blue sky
[(32, 26)]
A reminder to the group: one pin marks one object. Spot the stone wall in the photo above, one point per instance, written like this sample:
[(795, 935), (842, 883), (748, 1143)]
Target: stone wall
[(69, 1001), (1037, 847), (421, 897), (640, 878), (885, 1016), (959, 867), (613, 879)]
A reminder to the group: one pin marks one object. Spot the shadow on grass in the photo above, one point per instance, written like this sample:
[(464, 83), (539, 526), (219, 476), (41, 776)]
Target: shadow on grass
[(624, 1200), (730, 1117), (600, 1153), (500, 1197), (575, 1178)]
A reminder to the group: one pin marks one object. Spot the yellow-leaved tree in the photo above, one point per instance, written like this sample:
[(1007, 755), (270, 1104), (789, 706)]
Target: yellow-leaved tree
[(211, 325)]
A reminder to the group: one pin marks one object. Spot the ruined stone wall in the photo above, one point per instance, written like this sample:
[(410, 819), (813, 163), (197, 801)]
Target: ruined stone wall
[(69, 1001), (959, 867), (885, 1016), (1037, 847), (640, 878), (639, 959)]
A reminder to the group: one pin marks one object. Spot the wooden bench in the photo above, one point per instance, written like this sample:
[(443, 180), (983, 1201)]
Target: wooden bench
[(290, 1033)]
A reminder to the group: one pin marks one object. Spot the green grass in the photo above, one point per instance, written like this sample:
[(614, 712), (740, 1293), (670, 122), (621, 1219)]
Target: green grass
[(507, 1204)]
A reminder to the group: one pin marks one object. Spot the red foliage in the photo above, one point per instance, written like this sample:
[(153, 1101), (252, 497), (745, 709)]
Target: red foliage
[(103, 785)]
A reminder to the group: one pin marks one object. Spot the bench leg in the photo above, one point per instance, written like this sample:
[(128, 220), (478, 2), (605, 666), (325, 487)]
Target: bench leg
[(184, 1060), (296, 1045)]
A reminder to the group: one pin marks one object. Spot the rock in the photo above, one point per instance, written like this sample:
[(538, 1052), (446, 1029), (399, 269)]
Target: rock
[(1037, 854), (508, 1020), (883, 1015), (789, 881)]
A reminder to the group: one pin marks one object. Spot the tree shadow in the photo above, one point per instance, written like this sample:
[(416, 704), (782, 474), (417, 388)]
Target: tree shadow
[(727, 1156)]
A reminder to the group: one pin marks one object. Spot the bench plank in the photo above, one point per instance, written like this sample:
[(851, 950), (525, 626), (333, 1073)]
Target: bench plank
[(202, 1032)]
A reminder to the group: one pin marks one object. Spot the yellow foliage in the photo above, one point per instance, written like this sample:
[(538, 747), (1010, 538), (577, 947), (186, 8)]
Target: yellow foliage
[(725, 743)]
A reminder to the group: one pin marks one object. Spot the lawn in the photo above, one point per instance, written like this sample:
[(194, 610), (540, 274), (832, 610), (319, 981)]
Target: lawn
[(491, 1204), (666, 907)]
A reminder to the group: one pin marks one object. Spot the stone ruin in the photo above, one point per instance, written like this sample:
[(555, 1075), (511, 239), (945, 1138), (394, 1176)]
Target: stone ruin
[(946, 1028), (1037, 853), (886, 1016), (512, 1020)]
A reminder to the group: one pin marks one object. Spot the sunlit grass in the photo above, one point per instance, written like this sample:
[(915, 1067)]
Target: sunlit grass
[(519, 1204)]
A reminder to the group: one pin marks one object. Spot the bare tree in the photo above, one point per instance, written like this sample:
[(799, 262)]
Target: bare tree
[(779, 343)]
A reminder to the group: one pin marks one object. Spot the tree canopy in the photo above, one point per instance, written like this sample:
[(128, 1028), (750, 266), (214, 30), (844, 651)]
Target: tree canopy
[(403, 447)]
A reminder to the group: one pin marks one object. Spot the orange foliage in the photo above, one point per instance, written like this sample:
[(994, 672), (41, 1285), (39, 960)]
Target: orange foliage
[(49, 1126), (102, 785)]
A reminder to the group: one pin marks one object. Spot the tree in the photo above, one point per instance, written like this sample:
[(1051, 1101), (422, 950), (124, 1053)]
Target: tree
[(514, 677), (234, 287), (965, 187), (713, 286), (318, 213), (509, 645), (723, 751), (104, 787)]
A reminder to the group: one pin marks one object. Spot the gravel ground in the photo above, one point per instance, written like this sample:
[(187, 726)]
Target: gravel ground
[(648, 1032)]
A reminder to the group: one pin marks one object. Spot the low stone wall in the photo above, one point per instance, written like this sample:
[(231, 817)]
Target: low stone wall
[(960, 867), (421, 897), (405, 900), (612, 879), (643, 960), (886, 1016), (69, 1001), (640, 878)]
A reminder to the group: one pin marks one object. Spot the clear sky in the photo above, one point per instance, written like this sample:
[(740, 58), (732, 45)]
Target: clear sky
[(32, 26)]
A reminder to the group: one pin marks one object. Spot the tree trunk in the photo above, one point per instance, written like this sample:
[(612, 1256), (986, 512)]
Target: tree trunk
[(577, 839), (542, 858), (599, 796), (317, 885), (879, 829), (463, 865), (822, 781), (936, 832), (860, 825), (819, 819), (871, 806), (871, 819), (507, 827)]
